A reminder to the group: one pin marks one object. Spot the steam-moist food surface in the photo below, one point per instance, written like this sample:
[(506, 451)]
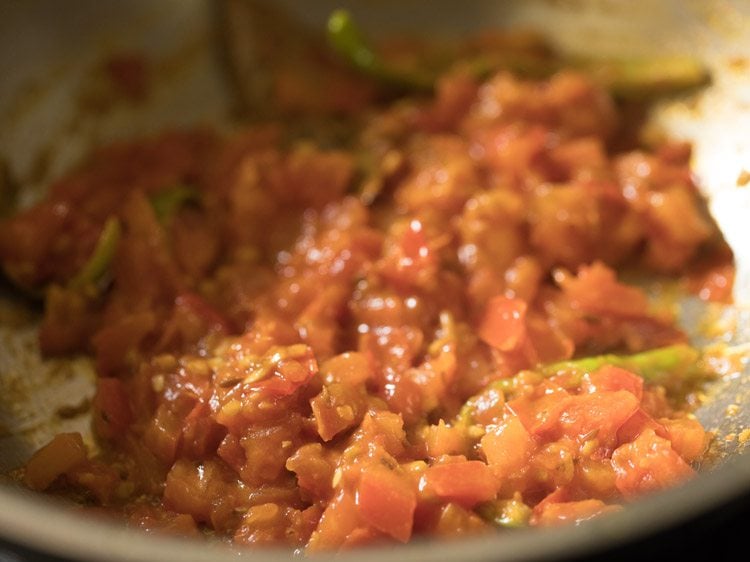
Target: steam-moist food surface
[(329, 347)]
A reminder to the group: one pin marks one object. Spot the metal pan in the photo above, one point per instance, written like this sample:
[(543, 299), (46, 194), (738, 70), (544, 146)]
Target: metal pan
[(53, 107)]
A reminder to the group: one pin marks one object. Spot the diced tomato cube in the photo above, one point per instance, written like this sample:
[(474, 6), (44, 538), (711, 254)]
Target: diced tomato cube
[(503, 325), (456, 521), (597, 415), (442, 440), (163, 436), (687, 436), (314, 471), (648, 464), (465, 482), (508, 447), (387, 500), (611, 378), (194, 488), (340, 518), (637, 424), (63, 453), (550, 344), (201, 434), (349, 368), (231, 452), (596, 290), (540, 416)]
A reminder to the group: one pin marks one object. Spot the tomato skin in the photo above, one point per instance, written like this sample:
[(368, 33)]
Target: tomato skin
[(599, 415), (540, 415), (559, 414), (611, 378), (637, 424), (466, 483), (387, 500)]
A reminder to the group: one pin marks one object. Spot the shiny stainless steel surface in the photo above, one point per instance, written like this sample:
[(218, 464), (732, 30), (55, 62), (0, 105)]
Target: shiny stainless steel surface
[(49, 59)]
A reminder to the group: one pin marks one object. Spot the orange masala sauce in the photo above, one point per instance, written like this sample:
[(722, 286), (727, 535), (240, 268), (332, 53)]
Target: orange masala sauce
[(330, 347)]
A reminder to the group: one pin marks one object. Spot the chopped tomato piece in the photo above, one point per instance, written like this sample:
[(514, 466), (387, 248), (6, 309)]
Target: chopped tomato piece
[(193, 487), (231, 452), (504, 323), (411, 261), (637, 424), (571, 512), (65, 452), (456, 521), (152, 520), (508, 447), (611, 378), (339, 520), (596, 290), (442, 439), (597, 415), (337, 408), (349, 368), (648, 464), (549, 343), (289, 368), (314, 471), (387, 501), (464, 482)]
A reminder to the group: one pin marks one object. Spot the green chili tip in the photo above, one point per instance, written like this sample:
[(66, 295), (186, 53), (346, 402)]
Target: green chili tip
[(661, 365), (347, 40), (168, 201), (101, 258)]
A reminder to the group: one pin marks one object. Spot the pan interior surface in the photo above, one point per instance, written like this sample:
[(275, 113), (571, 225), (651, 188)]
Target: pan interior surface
[(40, 397)]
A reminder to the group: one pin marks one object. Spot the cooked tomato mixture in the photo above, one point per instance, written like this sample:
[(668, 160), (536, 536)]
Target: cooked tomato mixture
[(417, 331)]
